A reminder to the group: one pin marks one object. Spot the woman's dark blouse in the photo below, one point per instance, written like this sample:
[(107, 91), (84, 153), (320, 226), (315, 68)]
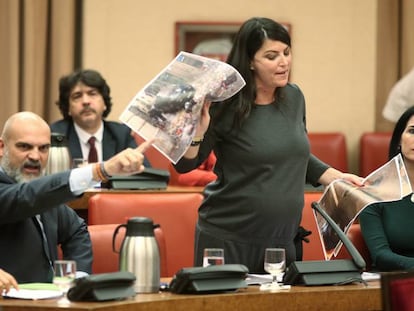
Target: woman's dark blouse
[(261, 169), (388, 230)]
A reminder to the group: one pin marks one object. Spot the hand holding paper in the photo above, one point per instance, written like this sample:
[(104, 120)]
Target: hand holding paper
[(168, 108)]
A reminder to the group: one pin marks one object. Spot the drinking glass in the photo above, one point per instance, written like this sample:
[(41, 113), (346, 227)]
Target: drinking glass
[(274, 264), (213, 256), (64, 276)]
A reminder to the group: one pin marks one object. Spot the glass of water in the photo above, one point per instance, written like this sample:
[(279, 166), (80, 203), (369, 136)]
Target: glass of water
[(274, 264), (64, 276)]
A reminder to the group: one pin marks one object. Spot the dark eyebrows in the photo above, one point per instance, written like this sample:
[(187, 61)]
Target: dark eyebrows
[(20, 144)]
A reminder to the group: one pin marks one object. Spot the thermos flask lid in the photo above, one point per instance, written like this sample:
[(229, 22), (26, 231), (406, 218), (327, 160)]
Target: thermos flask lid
[(140, 226), (58, 140)]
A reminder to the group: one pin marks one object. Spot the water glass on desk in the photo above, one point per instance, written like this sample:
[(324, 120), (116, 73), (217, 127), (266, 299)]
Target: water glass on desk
[(64, 276), (213, 256), (274, 264)]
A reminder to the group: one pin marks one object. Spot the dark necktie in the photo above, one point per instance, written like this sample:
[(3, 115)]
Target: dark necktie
[(38, 222), (93, 154)]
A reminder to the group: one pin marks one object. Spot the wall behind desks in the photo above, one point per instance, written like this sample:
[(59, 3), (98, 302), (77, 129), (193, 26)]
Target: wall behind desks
[(333, 45)]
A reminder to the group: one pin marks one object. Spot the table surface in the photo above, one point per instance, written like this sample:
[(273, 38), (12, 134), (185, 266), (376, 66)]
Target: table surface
[(339, 298)]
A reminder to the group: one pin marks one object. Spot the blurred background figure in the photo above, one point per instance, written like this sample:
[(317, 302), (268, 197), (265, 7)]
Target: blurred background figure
[(401, 97)]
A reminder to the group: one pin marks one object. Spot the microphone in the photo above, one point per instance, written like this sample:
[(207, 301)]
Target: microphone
[(356, 256)]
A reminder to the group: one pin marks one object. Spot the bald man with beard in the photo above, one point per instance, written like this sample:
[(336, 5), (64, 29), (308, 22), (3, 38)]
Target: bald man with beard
[(34, 219)]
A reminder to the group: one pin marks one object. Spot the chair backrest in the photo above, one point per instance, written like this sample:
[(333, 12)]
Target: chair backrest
[(106, 260), (176, 213), (330, 148), (198, 177), (397, 290), (312, 250), (373, 151)]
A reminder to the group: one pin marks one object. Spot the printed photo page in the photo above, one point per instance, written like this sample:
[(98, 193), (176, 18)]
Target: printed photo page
[(168, 108), (343, 201)]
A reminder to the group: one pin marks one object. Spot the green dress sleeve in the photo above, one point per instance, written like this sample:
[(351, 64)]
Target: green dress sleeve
[(377, 223)]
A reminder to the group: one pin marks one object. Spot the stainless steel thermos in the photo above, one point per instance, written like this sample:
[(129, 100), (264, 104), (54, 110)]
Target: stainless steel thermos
[(139, 253), (59, 156)]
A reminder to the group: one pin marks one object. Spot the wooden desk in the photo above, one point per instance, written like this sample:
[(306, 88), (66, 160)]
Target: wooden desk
[(82, 202), (338, 298)]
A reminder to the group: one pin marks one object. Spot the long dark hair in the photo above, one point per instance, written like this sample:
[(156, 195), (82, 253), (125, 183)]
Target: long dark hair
[(248, 40), (88, 77), (399, 128)]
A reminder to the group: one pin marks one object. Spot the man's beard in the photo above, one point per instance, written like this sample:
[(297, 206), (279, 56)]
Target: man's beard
[(16, 173)]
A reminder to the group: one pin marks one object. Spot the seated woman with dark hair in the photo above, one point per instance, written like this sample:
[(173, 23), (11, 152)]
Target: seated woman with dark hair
[(387, 227)]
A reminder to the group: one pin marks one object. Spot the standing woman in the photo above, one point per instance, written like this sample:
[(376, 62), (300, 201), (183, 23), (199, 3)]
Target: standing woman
[(263, 156)]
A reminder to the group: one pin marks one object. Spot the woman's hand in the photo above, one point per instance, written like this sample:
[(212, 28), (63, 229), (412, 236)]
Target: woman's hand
[(332, 174), (201, 129), (204, 120)]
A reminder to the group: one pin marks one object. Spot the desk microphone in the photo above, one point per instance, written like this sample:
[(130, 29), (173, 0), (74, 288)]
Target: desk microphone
[(356, 256)]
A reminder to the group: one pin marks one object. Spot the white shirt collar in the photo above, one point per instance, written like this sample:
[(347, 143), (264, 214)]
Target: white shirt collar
[(84, 136)]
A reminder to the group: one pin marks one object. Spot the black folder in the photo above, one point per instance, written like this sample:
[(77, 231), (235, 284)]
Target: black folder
[(150, 178)]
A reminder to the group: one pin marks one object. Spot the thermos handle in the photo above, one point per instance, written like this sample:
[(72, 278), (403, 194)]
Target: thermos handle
[(114, 237)]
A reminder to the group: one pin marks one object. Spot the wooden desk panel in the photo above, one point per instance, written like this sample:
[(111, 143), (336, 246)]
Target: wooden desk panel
[(338, 298), (82, 202)]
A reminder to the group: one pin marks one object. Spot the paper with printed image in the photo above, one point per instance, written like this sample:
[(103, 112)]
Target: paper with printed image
[(168, 107), (343, 201)]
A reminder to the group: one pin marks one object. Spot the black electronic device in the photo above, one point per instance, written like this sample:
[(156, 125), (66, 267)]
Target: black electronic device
[(327, 272), (103, 287), (210, 279)]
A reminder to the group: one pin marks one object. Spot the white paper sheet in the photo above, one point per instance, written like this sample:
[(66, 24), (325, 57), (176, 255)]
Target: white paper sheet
[(32, 294)]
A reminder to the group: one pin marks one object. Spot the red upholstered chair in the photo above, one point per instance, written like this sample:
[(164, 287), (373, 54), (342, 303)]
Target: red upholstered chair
[(312, 250), (373, 151), (355, 235), (330, 148), (397, 290), (176, 213), (200, 176), (106, 260)]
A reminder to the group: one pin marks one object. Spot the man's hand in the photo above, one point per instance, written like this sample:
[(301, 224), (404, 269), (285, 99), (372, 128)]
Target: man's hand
[(7, 281), (127, 162)]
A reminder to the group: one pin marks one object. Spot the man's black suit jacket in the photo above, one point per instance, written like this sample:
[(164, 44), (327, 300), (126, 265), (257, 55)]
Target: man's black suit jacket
[(22, 249), (116, 137)]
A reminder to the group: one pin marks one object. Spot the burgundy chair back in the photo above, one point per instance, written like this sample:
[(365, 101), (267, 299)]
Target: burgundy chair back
[(312, 250), (373, 151), (176, 213), (397, 290), (330, 148)]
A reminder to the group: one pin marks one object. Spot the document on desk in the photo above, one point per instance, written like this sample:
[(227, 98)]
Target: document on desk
[(34, 291), (258, 279), (168, 107)]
